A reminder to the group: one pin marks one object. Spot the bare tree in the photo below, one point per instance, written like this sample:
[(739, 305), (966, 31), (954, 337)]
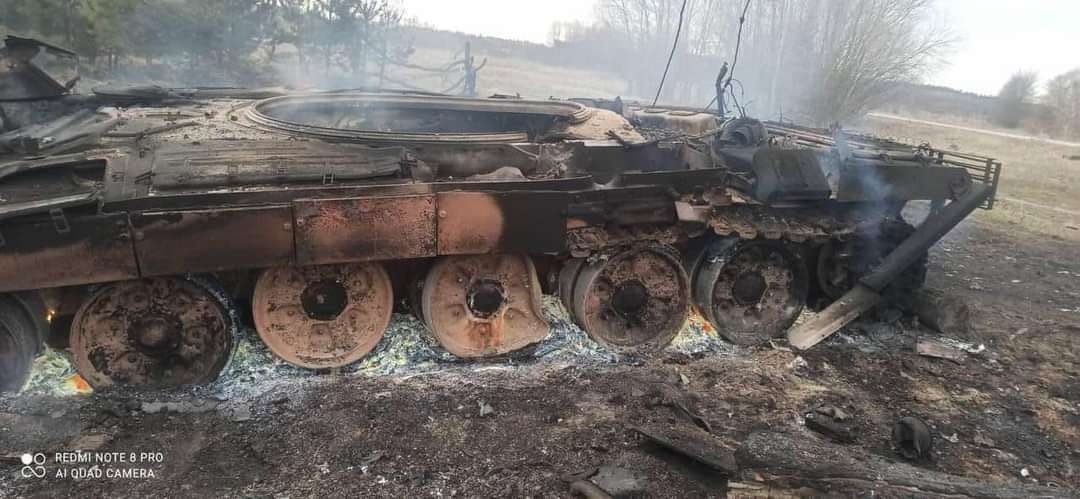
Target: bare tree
[(869, 46), (1063, 100), (830, 60), (1015, 97)]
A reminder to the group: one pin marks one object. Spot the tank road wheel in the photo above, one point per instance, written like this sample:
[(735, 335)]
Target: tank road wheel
[(754, 293), (162, 332), (323, 316), (18, 345), (637, 300), (483, 305), (567, 277)]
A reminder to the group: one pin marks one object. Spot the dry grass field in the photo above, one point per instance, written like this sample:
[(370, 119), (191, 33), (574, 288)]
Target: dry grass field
[(502, 74), (1040, 185)]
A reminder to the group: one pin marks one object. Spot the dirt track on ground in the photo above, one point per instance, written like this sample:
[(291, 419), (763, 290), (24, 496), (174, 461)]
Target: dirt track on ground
[(997, 133)]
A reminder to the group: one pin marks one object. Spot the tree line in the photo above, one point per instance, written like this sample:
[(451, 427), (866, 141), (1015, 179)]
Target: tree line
[(1055, 111), (217, 40), (817, 61), (810, 61)]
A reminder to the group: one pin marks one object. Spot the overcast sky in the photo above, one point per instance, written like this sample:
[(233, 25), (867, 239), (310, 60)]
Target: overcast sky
[(996, 37)]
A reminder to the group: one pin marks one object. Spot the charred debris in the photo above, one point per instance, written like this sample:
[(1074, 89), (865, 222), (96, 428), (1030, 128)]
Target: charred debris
[(139, 224)]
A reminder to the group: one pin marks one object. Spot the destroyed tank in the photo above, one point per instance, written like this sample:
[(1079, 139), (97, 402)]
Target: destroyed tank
[(139, 226)]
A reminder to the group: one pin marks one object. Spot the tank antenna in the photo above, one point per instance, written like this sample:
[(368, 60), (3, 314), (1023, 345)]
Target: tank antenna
[(678, 30), (723, 85)]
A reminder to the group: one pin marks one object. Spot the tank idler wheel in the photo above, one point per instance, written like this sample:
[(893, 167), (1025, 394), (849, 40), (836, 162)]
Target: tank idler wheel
[(752, 293), (633, 301), (833, 270), (841, 264), (323, 316), (19, 341), (483, 305), (160, 332), (567, 277)]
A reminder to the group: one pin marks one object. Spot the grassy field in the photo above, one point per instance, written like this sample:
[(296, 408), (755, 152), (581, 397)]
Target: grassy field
[(501, 75), (507, 75), (1040, 185)]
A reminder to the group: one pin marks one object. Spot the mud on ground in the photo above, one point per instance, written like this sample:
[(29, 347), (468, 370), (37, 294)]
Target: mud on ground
[(1009, 415)]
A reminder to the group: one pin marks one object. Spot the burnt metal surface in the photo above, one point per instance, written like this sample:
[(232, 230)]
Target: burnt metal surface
[(478, 223), (753, 291), (635, 300), (880, 183), (18, 345), (163, 332), (20, 79), (789, 175), (409, 118), (323, 316), (243, 163), (483, 305), (567, 279), (219, 184), (35, 186), (632, 205), (67, 132), (212, 240), (794, 223), (870, 150), (348, 230), (61, 251)]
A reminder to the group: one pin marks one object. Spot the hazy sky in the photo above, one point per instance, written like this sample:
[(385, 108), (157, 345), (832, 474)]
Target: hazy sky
[(996, 37)]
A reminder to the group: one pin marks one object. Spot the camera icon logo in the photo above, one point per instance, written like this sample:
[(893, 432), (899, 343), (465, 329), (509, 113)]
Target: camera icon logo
[(33, 465)]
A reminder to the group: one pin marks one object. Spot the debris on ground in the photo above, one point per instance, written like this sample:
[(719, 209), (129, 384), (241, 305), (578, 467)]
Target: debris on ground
[(945, 313), (89, 442), (370, 459), (589, 490), (618, 482), (829, 425), (181, 407), (485, 408), (681, 402), (799, 365), (238, 412), (694, 444), (832, 412), (785, 460), (932, 347), (911, 438)]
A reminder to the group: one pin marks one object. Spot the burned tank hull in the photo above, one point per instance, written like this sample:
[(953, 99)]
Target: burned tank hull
[(142, 222)]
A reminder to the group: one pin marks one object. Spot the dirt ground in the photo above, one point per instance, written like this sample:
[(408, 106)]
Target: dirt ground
[(515, 430)]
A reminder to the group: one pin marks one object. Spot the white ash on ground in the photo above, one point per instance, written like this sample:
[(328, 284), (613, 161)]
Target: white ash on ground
[(407, 348)]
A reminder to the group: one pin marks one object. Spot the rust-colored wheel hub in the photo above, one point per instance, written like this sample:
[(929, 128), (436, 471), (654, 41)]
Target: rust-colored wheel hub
[(323, 316), (483, 305), (162, 332), (752, 293), (634, 301)]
